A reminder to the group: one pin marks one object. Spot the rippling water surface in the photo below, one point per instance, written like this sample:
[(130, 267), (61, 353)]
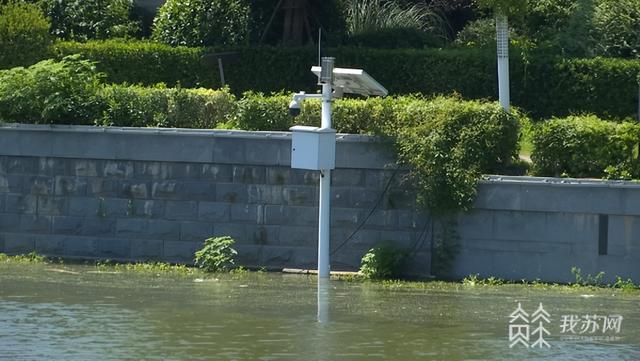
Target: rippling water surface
[(50, 315)]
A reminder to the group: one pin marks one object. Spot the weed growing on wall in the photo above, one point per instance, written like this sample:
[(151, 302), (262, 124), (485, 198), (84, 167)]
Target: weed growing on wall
[(216, 255)]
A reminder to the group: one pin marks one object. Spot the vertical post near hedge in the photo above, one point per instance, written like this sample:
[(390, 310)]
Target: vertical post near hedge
[(502, 40)]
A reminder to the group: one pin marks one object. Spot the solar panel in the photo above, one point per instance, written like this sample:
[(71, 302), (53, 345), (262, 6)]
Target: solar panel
[(355, 81)]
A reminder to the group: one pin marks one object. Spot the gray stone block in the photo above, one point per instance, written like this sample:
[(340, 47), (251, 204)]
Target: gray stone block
[(9, 222), (101, 187), (631, 202), (113, 248), (70, 186), (131, 227), (18, 243), (341, 217), (378, 179), (300, 196), (386, 219), (165, 190), (4, 185), (229, 151), (195, 231), (146, 249), (84, 226), (117, 169), (520, 226), (264, 235), (116, 207), (248, 255), (146, 208), (393, 199), (368, 155), (48, 166), (347, 177), (576, 228), (213, 211), (298, 236), (153, 170), (367, 198), (239, 232), (478, 224), (164, 146), (83, 247), (268, 152), (50, 245), (231, 193), (220, 173), (86, 144), (264, 194), (35, 224), (52, 206), (181, 210), (133, 189), (249, 174), (499, 196), (247, 213), (20, 203), (296, 257), (161, 229), (3, 202), (87, 207), (85, 168), (291, 215), (35, 185), (181, 252), (279, 175), (198, 191)]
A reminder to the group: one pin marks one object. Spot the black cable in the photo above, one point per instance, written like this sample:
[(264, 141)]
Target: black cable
[(386, 188)]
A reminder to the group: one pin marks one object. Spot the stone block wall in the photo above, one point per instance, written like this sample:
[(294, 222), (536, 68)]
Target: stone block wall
[(151, 194)]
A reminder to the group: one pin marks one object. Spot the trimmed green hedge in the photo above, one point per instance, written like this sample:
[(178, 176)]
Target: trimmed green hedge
[(545, 87), (586, 146)]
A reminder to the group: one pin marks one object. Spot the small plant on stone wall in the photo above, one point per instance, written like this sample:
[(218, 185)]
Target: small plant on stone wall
[(216, 255), (383, 262)]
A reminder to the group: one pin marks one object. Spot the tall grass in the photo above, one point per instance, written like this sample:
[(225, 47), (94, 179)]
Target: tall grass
[(366, 16)]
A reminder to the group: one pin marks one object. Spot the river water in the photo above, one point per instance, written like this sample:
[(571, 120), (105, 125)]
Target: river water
[(79, 314)]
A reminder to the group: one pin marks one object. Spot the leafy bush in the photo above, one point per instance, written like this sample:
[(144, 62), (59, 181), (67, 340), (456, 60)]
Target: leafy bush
[(547, 86), (51, 92), (165, 107), (393, 38), (259, 112), (202, 22), (480, 32), (216, 255), (383, 262), (95, 19), (617, 27), (584, 146), (449, 144), (24, 35)]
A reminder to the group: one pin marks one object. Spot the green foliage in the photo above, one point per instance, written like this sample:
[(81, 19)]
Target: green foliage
[(588, 280), (24, 34), (165, 107), (259, 112), (51, 92), (585, 147), (27, 258), (510, 8), (480, 32), (543, 85), (414, 25), (625, 285), (216, 255), (96, 19), (617, 27), (475, 280), (383, 262), (202, 22), (449, 143)]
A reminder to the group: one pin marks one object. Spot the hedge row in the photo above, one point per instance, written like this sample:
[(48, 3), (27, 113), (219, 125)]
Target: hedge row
[(586, 146), (546, 86)]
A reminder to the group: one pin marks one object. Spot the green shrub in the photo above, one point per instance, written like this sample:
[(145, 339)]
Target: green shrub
[(24, 35), (216, 255), (449, 143), (202, 22), (64, 92), (394, 38), (259, 112), (159, 106), (617, 27), (584, 146), (95, 19), (383, 262)]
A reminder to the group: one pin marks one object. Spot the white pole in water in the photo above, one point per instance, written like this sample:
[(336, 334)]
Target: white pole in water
[(324, 217), (502, 37)]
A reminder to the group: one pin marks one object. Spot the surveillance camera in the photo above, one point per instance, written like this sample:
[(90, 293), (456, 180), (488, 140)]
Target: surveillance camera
[(294, 108)]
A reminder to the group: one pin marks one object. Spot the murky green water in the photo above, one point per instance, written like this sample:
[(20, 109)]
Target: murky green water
[(48, 315)]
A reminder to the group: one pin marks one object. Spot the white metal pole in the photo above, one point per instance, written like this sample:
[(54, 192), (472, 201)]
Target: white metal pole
[(325, 194), (502, 37), (323, 300)]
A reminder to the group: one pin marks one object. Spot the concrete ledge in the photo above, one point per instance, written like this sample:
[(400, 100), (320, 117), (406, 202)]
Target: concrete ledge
[(178, 145)]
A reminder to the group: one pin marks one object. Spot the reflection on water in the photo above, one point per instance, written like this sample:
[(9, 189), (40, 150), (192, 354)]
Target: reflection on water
[(55, 316)]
